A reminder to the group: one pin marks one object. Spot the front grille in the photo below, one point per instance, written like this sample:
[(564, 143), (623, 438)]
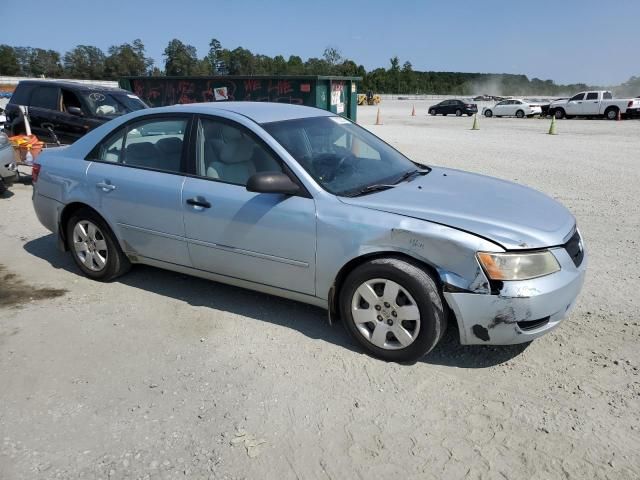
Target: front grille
[(533, 324), (575, 249)]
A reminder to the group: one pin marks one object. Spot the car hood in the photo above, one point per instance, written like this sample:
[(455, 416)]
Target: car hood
[(511, 215)]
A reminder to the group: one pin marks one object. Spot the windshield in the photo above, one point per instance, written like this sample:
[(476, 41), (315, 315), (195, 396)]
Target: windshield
[(110, 104), (341, 156)]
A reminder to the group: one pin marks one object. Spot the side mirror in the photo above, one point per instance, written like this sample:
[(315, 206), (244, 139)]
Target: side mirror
[(272, 182), (75, 111)]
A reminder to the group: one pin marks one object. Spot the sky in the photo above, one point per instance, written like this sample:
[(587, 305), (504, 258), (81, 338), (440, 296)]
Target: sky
[(568, 41)]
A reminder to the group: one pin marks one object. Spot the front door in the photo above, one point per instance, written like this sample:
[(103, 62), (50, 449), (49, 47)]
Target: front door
[(136, 179), (264, 238), (574, 105)]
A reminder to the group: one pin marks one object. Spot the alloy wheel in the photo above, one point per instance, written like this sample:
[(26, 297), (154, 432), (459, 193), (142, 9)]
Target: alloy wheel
[(90, 245), (385, 314)]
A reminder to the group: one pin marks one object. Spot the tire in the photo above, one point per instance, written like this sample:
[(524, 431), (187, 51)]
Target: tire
[(432, 111), (445, 114), (469, 114), (611, 113), (458, 113), (559, 114), (488, 113), (520, 114), (3, 187), (102, 258), (417, 295)]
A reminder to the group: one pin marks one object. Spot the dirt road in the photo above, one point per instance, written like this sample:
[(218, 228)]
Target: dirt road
[(159, 375)]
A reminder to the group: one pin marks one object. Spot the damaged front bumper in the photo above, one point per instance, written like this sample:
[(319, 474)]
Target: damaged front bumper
[(522, 310)]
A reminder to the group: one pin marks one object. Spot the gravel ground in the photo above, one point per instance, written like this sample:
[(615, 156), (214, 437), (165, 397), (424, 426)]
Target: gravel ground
[(159, 375)]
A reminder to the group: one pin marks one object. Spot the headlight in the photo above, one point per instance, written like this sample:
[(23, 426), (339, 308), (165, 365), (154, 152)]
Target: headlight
[(518, 266)]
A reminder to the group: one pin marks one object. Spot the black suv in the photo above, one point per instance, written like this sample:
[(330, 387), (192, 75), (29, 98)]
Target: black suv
[(453, 107), (70, 109)]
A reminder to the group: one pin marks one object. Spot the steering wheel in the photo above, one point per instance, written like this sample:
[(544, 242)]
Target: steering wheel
[(329, 174)]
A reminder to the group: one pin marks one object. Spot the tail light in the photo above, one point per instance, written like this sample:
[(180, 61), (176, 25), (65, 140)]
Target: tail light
[(35, 171)]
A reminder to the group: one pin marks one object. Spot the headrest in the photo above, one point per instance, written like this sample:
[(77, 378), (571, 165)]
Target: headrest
[(142, 149), (169, 145), (237, 152), (230, 134)]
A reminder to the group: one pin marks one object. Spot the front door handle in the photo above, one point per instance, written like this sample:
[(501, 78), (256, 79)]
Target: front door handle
[(106, 187), (198, 202)]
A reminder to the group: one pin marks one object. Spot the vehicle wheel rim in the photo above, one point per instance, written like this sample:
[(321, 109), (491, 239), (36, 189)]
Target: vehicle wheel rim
[(90, 245), (519, 114), (385, 314), (558, 114), (458, 113), (611, 114)]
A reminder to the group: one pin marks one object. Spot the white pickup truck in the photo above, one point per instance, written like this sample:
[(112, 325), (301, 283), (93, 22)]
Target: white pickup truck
[(595, 103)]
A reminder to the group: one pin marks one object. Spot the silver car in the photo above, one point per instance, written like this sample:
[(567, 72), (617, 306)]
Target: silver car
[(8, 169), (298, 202)]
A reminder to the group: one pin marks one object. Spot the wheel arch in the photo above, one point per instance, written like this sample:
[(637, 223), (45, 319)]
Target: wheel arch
[(334, 291), (66, 214)]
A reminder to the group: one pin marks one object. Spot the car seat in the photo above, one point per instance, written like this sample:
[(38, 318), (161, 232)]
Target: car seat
[(171, 150), (233, 163)]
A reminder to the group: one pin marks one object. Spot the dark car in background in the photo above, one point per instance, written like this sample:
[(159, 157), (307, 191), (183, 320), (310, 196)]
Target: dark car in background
[(68, 109), (453, 107)]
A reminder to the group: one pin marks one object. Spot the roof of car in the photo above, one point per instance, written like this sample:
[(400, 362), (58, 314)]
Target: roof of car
[(73, 85), (260, 112)]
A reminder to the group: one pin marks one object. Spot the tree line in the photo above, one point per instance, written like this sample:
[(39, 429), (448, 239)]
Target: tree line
[(180, 59)]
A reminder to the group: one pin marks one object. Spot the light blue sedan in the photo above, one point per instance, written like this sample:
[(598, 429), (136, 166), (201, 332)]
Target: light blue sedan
[(298, 202)]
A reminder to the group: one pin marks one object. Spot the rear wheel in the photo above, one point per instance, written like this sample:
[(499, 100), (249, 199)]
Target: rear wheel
[(488, 113), (611, 113), (393, 309), (520, 114), (94, 248), (458, 113)]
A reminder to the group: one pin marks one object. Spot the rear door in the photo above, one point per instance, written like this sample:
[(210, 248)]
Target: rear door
[(260, 237), (44, 106), (136, 176), (591, 105)]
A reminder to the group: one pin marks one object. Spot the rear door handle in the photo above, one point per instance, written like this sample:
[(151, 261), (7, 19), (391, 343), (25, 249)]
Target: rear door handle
[(198, 202), (106, 187)]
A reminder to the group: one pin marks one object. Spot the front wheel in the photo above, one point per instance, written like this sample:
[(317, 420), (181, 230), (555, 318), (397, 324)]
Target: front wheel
[(559, 114), (488, 113), (432, 111), (94, 248), (393, 309)]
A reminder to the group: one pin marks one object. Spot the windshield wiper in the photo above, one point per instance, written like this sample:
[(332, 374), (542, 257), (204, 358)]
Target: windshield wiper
[(368, 189), (410, 174)]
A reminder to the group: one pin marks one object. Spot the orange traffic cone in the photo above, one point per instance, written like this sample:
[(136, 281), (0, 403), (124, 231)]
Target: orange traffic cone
[(378, 119), (413, 111)]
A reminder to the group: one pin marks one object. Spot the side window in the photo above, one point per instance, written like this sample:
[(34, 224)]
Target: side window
[(44, 97), (155, 143), (592, 96), (607, 96), (230, 154), (579, 96), (69, 99)]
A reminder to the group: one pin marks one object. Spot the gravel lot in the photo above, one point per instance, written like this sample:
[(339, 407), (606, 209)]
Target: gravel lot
[(159, 375)]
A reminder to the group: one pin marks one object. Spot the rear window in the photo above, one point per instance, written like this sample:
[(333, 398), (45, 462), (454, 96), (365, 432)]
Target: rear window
[(44, 97)]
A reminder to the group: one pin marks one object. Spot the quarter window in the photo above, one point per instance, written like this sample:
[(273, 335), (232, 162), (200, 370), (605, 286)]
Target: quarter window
[(228, 153), (607, 95)]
